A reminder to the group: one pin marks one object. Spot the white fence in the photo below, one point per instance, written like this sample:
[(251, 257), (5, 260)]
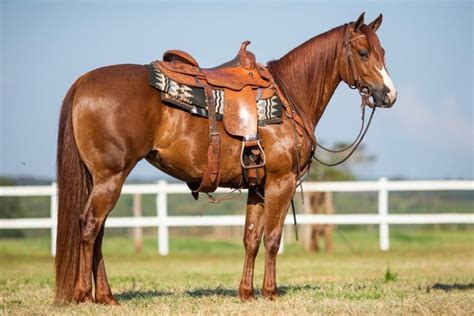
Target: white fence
[(162, 221)]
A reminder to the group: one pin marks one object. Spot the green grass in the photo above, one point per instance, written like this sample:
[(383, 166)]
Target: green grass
[(390, 276), (435, 275)]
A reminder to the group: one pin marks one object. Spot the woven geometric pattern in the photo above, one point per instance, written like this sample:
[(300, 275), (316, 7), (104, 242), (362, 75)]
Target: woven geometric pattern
[(193, 99)]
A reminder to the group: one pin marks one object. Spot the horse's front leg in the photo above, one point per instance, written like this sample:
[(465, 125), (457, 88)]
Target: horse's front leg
[(278, 194), (252, 238)]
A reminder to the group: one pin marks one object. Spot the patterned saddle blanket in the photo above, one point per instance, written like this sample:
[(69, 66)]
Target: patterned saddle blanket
[(193, 99)]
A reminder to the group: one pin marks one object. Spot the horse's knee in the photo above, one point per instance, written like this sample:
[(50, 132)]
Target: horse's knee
[(251, 244), (272, 243)]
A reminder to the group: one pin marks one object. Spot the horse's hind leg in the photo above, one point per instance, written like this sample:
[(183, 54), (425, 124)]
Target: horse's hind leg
[(252, 238), (102, 198), (103, 294), (278, 194)]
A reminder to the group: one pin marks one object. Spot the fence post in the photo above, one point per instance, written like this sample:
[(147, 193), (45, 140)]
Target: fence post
[(384, 237), (162, 212), (54, 217), (137, 231)]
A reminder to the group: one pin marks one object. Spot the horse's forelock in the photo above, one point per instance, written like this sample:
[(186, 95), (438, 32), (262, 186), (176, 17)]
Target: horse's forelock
[(373, 40)]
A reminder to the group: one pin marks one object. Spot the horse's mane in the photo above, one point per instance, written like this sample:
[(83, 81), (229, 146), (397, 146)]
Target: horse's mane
[(301, 73)]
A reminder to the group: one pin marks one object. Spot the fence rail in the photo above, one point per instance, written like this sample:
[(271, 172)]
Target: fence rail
[(162, 221)]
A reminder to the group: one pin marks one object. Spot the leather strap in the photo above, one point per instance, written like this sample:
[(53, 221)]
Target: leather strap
[(252, 177), (211, 177), (357, 83), (250, 162)]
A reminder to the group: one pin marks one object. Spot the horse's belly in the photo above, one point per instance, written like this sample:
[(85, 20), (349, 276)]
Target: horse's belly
[(181, 145)]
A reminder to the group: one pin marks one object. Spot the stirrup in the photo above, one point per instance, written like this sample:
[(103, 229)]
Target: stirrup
[(251, 142)]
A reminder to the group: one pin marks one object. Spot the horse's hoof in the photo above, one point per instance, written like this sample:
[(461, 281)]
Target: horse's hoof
[(246, 297), (112, 302), (83, 297), (88, 299), (246, 294), (270, 294), (107, 300)]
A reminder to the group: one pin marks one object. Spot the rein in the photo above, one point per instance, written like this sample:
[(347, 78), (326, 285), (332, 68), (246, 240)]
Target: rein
[(356, 142)]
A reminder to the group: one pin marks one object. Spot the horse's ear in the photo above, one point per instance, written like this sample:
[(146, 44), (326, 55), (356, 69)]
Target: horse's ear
[(375, 24), (359, 22)]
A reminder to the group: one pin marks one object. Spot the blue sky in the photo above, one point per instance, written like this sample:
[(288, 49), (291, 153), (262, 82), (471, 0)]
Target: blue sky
[(46, 45)]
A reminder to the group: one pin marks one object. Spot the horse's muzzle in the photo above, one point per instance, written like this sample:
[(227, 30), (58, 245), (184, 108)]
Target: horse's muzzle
[(382, 99)]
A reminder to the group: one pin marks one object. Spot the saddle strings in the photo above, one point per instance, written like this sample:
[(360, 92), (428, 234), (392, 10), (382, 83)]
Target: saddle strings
[(227, 197)]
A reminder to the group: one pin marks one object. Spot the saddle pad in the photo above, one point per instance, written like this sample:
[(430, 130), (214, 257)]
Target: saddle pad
[(193, 100)]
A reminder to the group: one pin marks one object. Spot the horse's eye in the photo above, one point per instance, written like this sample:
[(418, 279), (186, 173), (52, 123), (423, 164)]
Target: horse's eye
[(363, 53)]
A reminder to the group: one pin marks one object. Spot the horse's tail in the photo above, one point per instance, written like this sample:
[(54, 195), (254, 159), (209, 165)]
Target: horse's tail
[(74, 183)]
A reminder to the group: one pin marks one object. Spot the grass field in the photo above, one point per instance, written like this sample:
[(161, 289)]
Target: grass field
[(431, 273)]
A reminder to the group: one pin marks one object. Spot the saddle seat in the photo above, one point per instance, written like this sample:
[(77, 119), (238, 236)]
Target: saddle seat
[(235, 74)]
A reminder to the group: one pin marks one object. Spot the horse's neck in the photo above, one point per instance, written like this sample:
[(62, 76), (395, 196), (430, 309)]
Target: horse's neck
[(318, 96), (329, 87), (310, 74)]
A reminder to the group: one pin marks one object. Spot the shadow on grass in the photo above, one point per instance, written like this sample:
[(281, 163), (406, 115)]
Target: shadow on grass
[(288, 289), (453, 287), (130, 295), (206, 292), (219, 291), (282, 290)]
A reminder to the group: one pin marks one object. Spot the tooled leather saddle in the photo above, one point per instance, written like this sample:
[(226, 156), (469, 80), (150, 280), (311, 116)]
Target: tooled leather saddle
[(233, 93)]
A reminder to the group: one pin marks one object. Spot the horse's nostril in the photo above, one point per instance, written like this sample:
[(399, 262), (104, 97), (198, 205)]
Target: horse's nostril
[(386, 99)]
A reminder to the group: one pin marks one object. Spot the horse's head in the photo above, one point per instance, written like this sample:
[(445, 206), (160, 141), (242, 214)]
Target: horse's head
[(363, 65)]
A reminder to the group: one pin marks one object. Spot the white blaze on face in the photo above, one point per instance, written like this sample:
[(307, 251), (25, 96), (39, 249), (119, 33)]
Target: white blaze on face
[(389, 84)]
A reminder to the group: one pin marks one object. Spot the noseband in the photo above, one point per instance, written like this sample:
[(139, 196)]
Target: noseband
[(365, 94), (364, 90)]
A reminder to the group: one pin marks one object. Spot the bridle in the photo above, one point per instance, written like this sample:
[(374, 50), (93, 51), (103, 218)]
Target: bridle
[(365, 93), (358, 83)]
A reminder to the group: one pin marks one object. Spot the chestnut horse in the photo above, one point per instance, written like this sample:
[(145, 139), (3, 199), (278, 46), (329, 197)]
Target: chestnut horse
[(111, 118)]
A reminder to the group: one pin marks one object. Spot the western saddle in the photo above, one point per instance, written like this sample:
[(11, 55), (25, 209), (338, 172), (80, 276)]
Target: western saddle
[(243, 82)]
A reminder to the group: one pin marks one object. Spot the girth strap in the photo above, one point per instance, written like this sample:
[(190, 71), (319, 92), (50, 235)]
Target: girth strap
[(211, 177)]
